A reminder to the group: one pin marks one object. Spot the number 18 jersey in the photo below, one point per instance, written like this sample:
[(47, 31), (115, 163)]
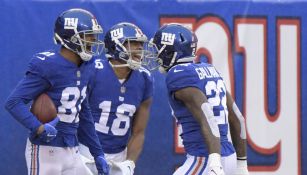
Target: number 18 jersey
[(206, 78), (114, 104)]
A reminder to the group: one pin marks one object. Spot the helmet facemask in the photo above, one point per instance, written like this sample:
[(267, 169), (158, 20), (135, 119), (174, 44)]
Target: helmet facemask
[(132, 51), (152, 61), (155, 61), (89, 44)]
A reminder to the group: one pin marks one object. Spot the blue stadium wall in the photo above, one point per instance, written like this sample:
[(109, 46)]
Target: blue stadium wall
[(259, 46)]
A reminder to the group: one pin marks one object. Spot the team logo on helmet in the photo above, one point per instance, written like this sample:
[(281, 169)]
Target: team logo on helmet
[(168, 38), (117, 33), (70, 23)]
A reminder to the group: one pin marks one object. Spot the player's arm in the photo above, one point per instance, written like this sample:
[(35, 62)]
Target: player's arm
[(197, 104), (238, 134), (135, 144), (88, 136), (28, 89)]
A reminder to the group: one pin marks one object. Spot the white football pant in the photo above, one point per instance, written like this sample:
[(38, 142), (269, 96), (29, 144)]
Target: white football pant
[(88, 159), (49, 160), (198, 165)]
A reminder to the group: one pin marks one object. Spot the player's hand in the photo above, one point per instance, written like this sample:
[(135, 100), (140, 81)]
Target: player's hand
[(126, 167), (47, 132), (102, 165), (214, 165), (241, 168)]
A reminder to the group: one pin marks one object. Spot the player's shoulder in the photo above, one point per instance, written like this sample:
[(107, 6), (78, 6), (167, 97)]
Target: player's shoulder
[(186, 67), (98, 63), (182, 73), (44, 57), (100, 69), (143, 71), (143, 74), (206, 70), (181, 70), (43, 61)]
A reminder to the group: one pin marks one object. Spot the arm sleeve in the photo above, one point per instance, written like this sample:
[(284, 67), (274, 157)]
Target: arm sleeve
[(86, 132), (28, 89)]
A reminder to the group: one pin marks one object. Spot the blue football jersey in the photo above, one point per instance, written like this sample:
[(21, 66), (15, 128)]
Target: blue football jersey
[(207, 79), (65, 83), (113, 104)]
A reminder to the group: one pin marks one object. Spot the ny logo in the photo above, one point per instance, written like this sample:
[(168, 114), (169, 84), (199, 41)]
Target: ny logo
[(167, 38), (117, 33), (71, 23)]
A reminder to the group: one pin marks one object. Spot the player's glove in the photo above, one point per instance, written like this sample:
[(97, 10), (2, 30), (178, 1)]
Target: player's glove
[(241, 167), (49, 132), (214, 165), (102, 165), (125, 168)]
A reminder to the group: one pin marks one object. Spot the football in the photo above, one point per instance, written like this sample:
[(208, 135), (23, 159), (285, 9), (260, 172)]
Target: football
[(43, 108)]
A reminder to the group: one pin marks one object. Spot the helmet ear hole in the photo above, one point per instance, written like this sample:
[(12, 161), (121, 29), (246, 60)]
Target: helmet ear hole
[(182, 37), (74, 40)]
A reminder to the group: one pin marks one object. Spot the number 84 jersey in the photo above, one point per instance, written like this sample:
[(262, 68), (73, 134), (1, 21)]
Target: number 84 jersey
[(206, 78), (114, 103)]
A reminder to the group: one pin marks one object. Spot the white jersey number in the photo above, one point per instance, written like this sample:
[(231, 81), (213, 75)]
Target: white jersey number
[(218, 91), (124, 112), (68, 111)]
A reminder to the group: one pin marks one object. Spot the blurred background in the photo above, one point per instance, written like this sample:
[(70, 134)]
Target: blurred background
[(258, 46)]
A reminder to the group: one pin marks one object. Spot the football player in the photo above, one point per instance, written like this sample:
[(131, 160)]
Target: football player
[(120, 96), (202, 106), (52, 148)]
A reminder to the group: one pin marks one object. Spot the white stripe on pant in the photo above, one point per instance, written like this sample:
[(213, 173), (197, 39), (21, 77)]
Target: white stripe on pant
[(198, 165), (49, 160)]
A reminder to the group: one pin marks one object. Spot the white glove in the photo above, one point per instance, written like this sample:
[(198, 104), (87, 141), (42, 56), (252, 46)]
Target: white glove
[(241, 168), (124, 168), (214, 165)]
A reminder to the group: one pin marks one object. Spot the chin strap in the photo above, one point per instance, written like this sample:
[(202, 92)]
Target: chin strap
[(118, 65), (134, 65)]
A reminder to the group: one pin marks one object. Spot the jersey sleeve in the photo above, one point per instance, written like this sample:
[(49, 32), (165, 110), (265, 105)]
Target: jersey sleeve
[(86, 132), (148, 88), (40, 66), (181, 77), (32, 85)]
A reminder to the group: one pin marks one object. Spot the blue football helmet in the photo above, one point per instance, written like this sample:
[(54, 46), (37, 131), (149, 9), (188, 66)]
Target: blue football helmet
[(79, 31), (118, 41), (175, 44)]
